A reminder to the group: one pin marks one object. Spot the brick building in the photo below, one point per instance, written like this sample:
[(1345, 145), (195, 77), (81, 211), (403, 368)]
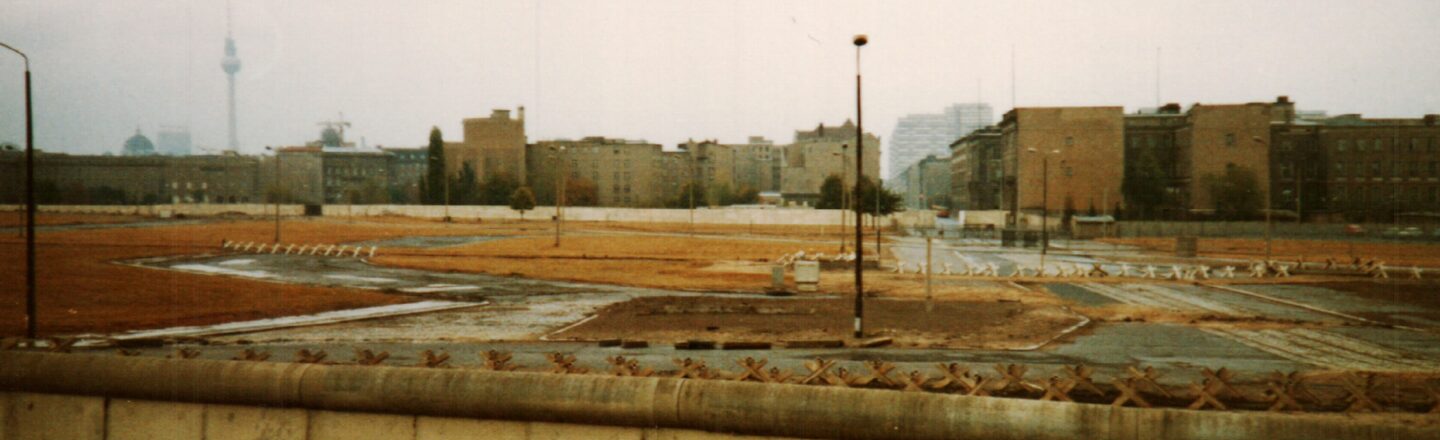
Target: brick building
[(624, 172), (491, 145), (1084, 147)]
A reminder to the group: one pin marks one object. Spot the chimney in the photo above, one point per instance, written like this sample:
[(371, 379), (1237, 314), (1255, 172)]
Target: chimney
[(522, 113)]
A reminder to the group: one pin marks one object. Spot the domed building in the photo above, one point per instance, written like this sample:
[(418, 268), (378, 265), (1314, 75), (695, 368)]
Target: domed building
[(138, 145)]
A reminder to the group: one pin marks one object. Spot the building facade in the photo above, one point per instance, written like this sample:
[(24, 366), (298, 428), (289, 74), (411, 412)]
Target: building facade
[(976, 174), (917, 136), (927, 184), (491, 145), (1061, 159)]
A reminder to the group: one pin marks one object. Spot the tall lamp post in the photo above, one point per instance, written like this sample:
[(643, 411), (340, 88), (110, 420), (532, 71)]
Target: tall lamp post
[(1044, 204), (1268, 206), (30, 317), (279, 191), (859, 41), (559, 155), (844, 193)]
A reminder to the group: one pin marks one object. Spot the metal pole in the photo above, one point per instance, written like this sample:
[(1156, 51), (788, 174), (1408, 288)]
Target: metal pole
[(1044, 209), (929, 269), (844, 195), (31, 317), (879, 253), (560, 196), (691, 190), (278, 191), (860, 40)]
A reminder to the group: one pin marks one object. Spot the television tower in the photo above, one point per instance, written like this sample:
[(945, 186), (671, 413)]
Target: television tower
[(230, 64)]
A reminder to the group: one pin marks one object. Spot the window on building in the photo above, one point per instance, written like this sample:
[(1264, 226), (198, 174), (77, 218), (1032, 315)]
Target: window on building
[(1379, 144), (1375, 169), (1339, 170), (1414, 144), (1339, 194), (1287, 145), (1229, 139), (1361, 144), (1395, 168), (1433, 170), (1342, 144), (1285, 171)]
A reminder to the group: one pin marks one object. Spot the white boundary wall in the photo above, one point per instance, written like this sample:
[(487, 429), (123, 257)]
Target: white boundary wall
[(734, 216)]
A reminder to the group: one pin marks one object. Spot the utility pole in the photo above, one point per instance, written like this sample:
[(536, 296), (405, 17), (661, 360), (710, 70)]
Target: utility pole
[(859, 41)]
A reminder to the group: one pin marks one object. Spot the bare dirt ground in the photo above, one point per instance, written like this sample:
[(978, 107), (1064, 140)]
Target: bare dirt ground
[(1393, 254), (953, 324), (81, 290)]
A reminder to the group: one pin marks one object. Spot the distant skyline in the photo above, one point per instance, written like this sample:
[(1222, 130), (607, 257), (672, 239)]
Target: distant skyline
[(668, 71)]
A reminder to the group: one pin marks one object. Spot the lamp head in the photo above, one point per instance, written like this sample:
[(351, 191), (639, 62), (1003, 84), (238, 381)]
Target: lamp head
[(860, 40)]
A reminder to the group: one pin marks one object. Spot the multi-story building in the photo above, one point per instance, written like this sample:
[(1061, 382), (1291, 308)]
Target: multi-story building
[(976, 175), (1070, 155), (66, 179), (624, 172), (919, 135), (1150, 142), (752, 165), (496, 144), (407, 168), (820, 153), (927, 183), (1356, 169)]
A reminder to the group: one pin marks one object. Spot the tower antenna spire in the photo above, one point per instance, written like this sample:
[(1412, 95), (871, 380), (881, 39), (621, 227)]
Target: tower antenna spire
[(230, 64)]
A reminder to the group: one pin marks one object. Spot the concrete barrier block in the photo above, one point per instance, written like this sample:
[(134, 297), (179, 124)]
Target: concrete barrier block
[(444, 428), (145, 420), (563, 431), (331, 425), (230, 422), (53, 416)]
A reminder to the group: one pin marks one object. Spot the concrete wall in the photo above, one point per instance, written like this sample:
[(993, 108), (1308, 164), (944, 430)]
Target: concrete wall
[(734, 216), (76, 396), (25, 416)]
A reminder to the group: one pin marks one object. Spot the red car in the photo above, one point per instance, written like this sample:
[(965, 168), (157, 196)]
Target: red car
[(1354, 229)]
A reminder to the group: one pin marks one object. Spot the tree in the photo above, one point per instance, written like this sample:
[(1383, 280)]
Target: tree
[(890, 202), (522, 200), (832, 192), (465, 187), (688, 192), (1236, 193), (433, 185), (722, 195), (1144, 184), (746, 196), (497, 189), (580, 191), (330, 138)]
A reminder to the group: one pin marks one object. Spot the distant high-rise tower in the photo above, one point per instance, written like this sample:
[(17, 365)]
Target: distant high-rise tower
[(230, 64), (919, 135)]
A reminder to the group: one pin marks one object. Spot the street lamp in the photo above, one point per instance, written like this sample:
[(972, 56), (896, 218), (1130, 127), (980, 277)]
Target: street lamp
[(30, 317), (1044, 204), (559, 155), (278, 192), (844, 193), (1268, 206), (859, 41), (690, 188)]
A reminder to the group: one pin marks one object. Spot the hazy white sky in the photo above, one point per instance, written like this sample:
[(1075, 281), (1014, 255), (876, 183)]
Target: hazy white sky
[(666, 71)]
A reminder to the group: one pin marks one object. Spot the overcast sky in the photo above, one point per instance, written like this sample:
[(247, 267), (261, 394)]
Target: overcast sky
[(665, 71)]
